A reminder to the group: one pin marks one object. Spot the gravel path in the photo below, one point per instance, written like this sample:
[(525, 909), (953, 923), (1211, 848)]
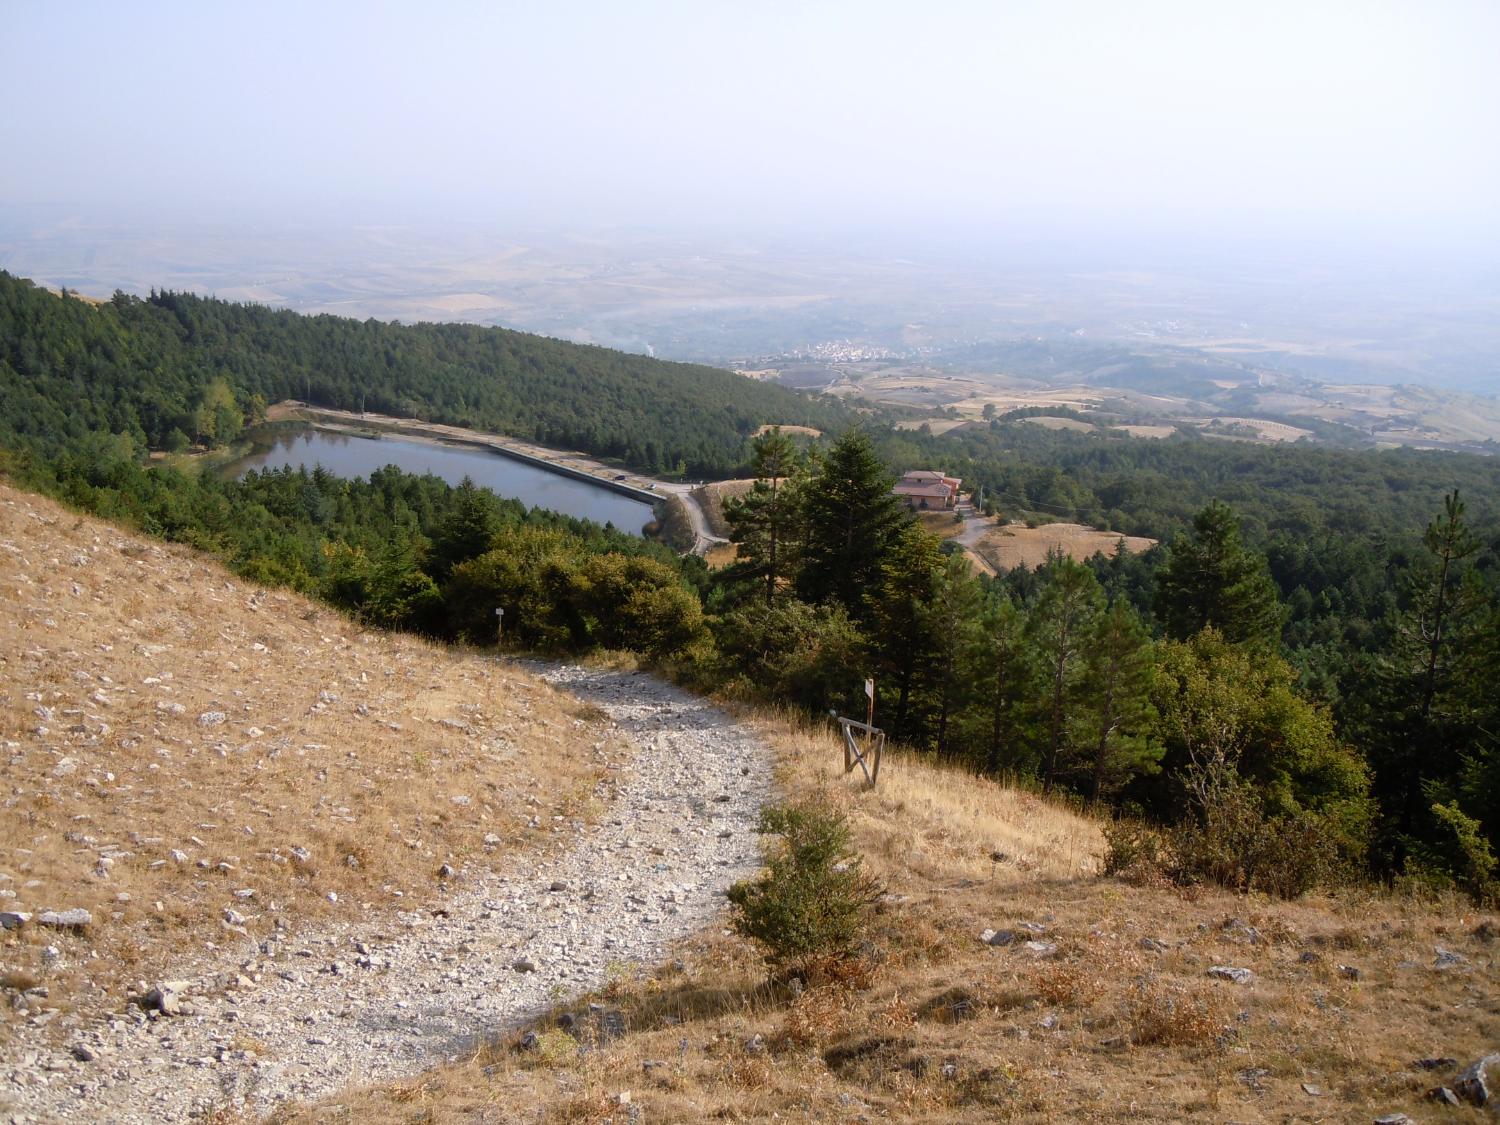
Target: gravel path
[(310, 1014)]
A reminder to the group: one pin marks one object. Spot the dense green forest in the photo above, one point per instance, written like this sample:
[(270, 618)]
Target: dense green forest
[(177, 369), (1300, 685)]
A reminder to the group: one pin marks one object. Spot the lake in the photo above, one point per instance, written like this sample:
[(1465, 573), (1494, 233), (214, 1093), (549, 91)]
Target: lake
[(349, 455)]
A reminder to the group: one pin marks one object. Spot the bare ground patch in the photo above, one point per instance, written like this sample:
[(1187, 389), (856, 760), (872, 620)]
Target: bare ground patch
[(192, 758), (1111, 1016), (1014, 544)]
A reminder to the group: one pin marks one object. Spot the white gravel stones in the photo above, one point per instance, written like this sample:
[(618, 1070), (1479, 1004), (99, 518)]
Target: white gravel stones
[(364, 1002)]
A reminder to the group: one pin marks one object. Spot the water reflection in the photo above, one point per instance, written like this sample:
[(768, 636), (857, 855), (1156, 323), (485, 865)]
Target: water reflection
[(351, 455)]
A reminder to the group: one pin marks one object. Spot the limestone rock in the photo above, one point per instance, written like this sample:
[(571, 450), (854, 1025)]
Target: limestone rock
[(1476, 1082), (1230, 973), (73, 919), (166, 998)]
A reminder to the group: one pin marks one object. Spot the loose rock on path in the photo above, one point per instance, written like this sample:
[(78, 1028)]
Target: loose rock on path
[(310, 1013)]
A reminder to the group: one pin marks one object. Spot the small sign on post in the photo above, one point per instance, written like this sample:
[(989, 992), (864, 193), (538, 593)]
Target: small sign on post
[(499, 626)]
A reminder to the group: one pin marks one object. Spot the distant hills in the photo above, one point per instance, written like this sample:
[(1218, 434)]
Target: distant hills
[(174, 368)]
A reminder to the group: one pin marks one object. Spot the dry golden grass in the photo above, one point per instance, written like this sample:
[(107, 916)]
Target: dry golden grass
[(806, 431), (175, 737), (938, 1027), (1014, 544), (941, 524)]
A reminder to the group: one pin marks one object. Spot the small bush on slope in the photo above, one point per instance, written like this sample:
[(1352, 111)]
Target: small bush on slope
[(814, 899)]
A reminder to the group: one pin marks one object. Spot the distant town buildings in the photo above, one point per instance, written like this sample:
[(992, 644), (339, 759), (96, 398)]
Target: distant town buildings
[(924, 489)]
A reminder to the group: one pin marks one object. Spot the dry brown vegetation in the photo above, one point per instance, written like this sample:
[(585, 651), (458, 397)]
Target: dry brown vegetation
[(1014, 544), (1120, 1022), (179, 744)]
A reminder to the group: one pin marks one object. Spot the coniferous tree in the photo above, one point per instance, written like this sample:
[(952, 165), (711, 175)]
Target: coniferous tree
[(761, 519), (904, 630), (1115, 724), (853, 522), (465, 534), (955, 615), (1061, 625), (1004, 674), (1211, 579), (1421, 717)]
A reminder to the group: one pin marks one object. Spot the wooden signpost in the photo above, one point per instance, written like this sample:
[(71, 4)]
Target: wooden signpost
[(500, 626), (866, 750)]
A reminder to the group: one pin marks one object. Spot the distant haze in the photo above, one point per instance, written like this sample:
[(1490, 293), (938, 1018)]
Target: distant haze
[(1343, 120)]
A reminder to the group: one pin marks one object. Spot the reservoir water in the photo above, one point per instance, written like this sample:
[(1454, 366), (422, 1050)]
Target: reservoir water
[(349, 455)]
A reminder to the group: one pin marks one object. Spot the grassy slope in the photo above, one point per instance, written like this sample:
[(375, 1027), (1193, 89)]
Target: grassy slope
[(400, 754), (948, 1029)]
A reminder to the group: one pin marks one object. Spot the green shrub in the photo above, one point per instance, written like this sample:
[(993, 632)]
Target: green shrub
[(1232, 842), (1458, 856), (813, 901), (1135, 852)]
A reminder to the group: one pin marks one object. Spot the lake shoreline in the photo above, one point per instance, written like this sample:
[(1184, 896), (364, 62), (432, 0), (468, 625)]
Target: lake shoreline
[(357, 449)]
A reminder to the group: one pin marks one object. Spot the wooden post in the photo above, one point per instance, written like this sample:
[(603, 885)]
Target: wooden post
[(499, 627), (870, 708)]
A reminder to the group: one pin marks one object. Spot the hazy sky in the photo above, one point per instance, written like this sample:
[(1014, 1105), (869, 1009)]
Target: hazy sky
[(1201, 115)]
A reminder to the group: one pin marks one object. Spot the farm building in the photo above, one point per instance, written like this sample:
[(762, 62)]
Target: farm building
[(926, 489)]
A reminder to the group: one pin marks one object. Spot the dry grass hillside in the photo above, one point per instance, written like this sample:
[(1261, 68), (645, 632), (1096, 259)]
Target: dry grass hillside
[(190, 758), (1014, 544), (1113, 1015)]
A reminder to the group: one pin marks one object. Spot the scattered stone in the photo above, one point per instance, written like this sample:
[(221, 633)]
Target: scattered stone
[(212, 718), (1153, 945), (1314, 1091), (84, 1053), (524, 965), (756, 1044), (529, 1042), (446, 871), (999, 937), (233, 917), (1473, 1083), (1041, 948), (1308, 957), (490, 839), (1394, 1119), (1349, 972), (1229, 973), (13, 919), (166, 998), (1447, 959), (557, 886), (73, 919), (1443, 1096)]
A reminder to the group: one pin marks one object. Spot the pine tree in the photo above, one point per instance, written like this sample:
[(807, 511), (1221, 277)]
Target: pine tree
[(853, 522), (1003, 670), (1061, 625), (1211, 579), (467, 531), (956, 622), (905, 629), (1114, 731), (760, 519), (1423, 715)]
